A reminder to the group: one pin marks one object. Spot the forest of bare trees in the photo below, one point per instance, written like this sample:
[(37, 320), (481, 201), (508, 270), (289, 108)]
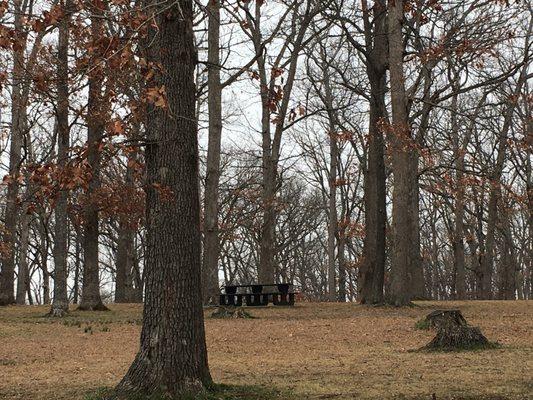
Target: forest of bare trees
[(373, 151)]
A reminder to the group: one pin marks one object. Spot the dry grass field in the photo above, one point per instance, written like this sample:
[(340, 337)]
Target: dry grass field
[(311, 351)]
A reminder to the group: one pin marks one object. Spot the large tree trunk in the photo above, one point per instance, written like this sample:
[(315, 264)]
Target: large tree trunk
[(211, 235), (60, 301), (172, 359), (406, 267), (90, 295), (372, 270), (7, 277)]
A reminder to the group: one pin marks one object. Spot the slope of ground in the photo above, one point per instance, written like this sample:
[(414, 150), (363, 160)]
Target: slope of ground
[(314, 351)]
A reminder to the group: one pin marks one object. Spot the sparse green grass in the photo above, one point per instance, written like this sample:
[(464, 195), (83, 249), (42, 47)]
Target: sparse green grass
[(422, 324)]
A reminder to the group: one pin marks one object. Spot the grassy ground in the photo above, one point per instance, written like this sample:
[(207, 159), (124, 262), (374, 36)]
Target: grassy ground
[(314, 351)]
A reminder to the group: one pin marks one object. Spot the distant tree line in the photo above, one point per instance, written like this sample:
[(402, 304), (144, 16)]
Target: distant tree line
[(372, 151)]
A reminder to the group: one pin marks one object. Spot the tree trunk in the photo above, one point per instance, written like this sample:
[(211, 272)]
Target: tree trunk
[(77, 267), (124, 292), (267, 267), (341, 252), (23, 281), (271, 147), (406, 267), (90, 296), (172, 360), (332, 178), (487, 264), (138, 278), (458, 246), (332, 213), (508, 267), (372, 271), (43, 255), (60, 301), (487, 259), (7, 278), (268, 199), (210, 282), (528, 268)]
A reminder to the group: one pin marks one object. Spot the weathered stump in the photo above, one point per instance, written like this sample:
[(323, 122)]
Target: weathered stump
[(231, 312), (454, 333), (445, 317)]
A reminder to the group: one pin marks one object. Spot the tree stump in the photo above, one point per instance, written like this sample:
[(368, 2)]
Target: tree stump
[(444, 317), (454, 333), (231, 312)]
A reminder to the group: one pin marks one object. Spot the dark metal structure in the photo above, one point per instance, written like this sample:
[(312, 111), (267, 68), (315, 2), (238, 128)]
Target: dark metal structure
[(254, 296)]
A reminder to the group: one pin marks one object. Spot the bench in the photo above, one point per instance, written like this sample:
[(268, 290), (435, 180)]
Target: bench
[(254, 296)]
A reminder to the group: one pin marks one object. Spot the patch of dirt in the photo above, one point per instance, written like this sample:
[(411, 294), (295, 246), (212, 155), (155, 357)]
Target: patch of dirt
[(317, 350)]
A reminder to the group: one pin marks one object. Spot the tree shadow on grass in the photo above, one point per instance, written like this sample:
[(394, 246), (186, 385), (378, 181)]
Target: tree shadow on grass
[(214, 392)]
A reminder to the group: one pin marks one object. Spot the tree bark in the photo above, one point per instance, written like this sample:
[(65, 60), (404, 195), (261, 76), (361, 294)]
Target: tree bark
[(508, 266), (528, 280), (487, 262), (372, 270), (406, 266), (60, 301), (23, 281), (341, 238), (77, 267), (7, 277), (124, 291), (172, 360), (124, 265), (271, 146), (333, 226), (332, 212), (43, 255), (90, 296), (458, 246), (210, 281), (342, 266)]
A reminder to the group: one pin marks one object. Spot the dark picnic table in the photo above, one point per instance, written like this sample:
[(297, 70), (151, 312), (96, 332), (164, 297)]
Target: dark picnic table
[(254, 295)]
